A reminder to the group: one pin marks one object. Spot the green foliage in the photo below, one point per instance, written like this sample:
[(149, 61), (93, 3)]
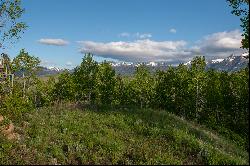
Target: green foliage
[(66, 135), (123, 92), (25, 63), (44, 93), (6, 62), (64, 88), (142, 85), (197, 84), (85, 78), (165, 94), (105, 84), (15, 105), (198, 64), (10, 26), (218, 100), (241, 8), (20, 98)]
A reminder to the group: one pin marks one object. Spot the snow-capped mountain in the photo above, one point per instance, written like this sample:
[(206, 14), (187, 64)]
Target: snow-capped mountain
[(129, 68), (152, 64), (217, 60), (52, 68), (49, 70), (231, 63)]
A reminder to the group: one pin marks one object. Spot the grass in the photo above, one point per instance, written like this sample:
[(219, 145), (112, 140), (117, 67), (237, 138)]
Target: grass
[(69, 135)]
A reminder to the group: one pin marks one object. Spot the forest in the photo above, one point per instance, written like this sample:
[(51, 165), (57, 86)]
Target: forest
[(217, 99)]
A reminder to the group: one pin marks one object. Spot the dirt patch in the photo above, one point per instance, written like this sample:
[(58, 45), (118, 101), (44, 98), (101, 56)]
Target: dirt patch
[(8, 130)]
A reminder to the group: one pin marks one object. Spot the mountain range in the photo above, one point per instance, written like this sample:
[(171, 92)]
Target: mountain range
[(231, 63)]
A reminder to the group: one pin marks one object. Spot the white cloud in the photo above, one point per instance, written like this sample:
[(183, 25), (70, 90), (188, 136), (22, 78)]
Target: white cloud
[(124, 34), (143, 36), (220, 44), (136, 35), (217, 45), (55, 42), (140, 50), (172, 30)]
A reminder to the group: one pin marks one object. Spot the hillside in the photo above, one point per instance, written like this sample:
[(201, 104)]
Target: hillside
[(68, 134)]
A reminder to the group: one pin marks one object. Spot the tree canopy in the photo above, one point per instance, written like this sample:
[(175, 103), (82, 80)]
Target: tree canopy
[(241, 8), (10, 24)]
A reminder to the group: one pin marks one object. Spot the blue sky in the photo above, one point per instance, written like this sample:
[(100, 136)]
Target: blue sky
[(60, 32)]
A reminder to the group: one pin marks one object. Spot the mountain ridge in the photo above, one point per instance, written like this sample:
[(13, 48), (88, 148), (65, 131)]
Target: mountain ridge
[(231, 63)]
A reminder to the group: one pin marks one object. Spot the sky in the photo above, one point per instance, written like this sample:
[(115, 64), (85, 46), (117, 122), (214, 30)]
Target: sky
[(61, 32)]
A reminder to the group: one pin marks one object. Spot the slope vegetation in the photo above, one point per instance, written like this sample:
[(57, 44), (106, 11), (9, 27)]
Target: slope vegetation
[(66, 134)]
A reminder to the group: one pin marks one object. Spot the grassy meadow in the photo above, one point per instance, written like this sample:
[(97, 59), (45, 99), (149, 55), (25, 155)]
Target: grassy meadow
[(70, 134)]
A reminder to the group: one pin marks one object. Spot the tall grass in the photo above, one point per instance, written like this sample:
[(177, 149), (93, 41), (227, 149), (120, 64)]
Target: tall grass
[(68, 135)]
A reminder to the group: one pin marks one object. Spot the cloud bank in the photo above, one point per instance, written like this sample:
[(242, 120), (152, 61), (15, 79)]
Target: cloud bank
[(55, 42), (139, 50), (220, 44)]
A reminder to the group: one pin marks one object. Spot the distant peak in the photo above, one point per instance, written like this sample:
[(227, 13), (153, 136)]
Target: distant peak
[(54, 68), (217, 60), (187, 63), (245, 55)]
